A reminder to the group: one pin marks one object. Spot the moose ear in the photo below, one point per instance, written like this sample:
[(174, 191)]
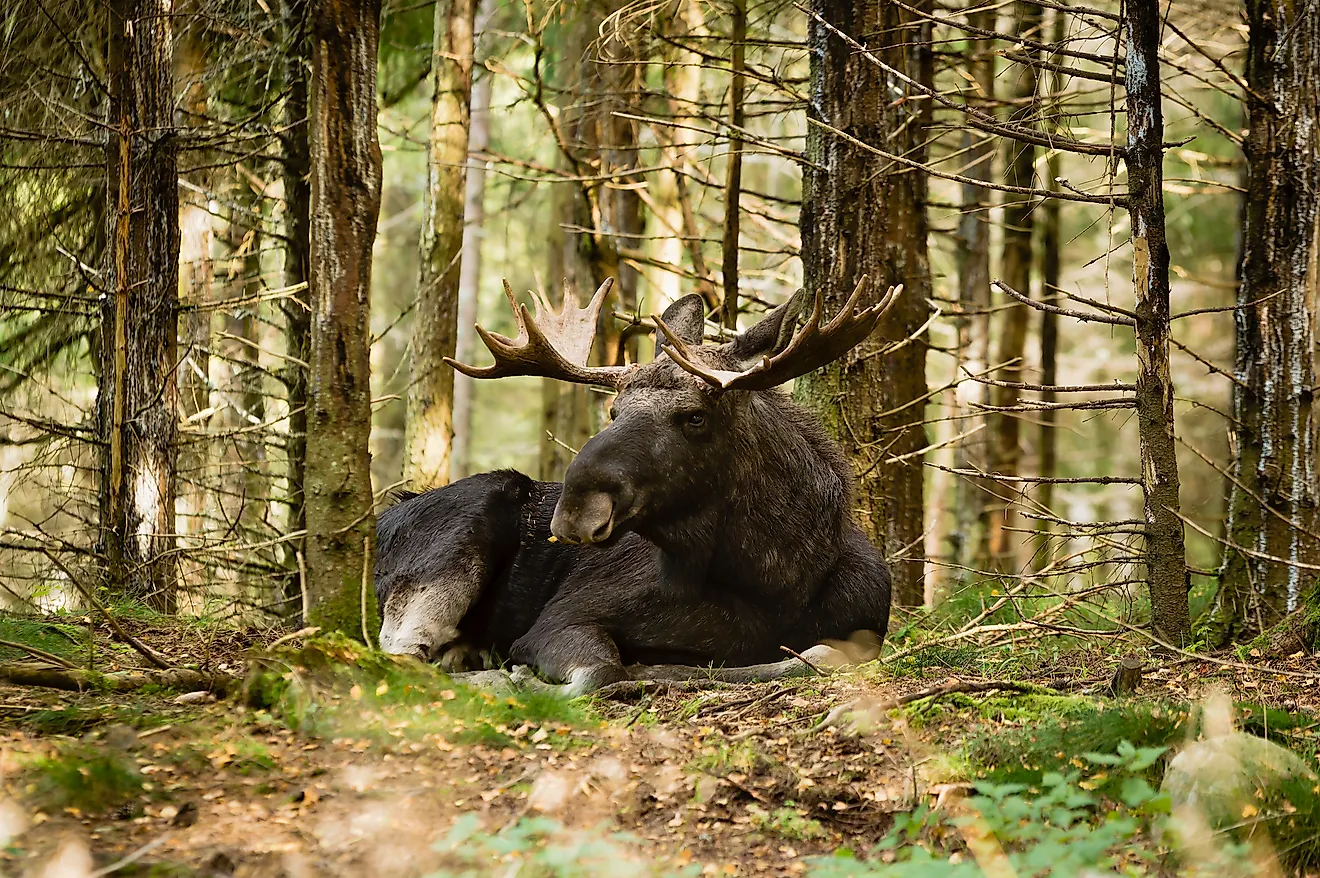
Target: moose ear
[(686, 318), (772, 334)]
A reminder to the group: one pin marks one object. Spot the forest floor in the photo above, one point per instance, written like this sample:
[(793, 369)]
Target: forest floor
[(395, 771)]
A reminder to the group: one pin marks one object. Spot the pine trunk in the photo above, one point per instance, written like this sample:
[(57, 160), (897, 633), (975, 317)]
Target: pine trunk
[(469, 279), (430, 426), (138, 396), (1274, 505), (1006, 426), (1166, 565), (970, 536), (297, 262), (862, 216), (345, 205)]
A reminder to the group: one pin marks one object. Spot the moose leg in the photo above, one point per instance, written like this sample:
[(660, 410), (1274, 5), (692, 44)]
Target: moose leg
[(812, 661)]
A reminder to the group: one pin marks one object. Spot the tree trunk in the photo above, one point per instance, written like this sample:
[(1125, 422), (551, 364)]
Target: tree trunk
[(469, 279), (1050, 244), (345, 205), (672, 206), (196, 274), (138, 396), (429, 425), (1020, 160), (297, 261), (970, 535), (246, 482), (733, 184), (864, 216), (1166, 566), (1274, 505)]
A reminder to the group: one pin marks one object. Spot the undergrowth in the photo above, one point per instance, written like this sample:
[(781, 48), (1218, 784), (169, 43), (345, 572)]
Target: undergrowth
[(87, 778)]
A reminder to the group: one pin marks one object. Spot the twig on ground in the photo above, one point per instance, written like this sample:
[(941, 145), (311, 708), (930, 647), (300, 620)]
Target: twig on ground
[(301, 632), (819, 670), (844, 715), (131, 858)]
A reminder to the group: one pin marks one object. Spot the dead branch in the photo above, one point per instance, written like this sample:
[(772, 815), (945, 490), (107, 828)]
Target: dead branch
[(78, 680)]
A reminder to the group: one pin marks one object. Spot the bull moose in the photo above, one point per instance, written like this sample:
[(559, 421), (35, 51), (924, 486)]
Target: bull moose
[(710, 523)]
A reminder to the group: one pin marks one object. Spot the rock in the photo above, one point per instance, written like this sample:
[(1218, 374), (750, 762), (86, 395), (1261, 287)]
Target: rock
[(199, 697), (1230, 772)]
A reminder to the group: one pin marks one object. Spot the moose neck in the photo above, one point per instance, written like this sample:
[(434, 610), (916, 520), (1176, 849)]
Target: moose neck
[(774, 524)]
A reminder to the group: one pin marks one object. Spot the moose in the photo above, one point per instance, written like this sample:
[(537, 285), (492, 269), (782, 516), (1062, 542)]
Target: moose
[(709, 524)]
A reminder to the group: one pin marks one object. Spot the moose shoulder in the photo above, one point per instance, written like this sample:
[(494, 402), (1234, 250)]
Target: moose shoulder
[(709, 523)]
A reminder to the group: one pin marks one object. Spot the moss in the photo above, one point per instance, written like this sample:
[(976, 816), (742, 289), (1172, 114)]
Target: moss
[(66, 641), (332, 685)]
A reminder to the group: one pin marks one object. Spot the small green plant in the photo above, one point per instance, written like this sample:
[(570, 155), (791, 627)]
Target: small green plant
[(92, 779), (786, 823), (539, 847)]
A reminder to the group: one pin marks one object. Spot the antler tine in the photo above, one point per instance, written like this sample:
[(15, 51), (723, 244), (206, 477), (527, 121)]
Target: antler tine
[(549, 344)]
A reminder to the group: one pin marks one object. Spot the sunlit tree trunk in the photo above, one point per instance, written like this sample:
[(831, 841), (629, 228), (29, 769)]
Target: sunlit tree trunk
[(246, 404), (862, 215), (345, 205), (1166, 564), (972, 453), (138, 397), (297, 260), (469, 283), (673, 217), (1015, 267), (1274, 505), (196, 273), (429, 426)]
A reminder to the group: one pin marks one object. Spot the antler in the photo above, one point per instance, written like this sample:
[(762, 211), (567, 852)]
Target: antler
[(549, 344), (810, 348)]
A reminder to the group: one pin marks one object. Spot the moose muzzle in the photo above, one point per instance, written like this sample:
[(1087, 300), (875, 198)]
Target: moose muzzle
[(583, 517)]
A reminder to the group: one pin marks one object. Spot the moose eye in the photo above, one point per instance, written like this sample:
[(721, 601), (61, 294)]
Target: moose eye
[(696, 419), (614, 413)]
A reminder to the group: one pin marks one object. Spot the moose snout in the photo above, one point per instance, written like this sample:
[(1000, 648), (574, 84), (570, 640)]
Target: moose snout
[(583, 518)]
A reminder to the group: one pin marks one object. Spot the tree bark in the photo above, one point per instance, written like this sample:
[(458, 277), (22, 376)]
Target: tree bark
[(733, 184), (1050, 244), (345, 205), (970, 546), (429, 426), (672, 208), (1020, 160), (196, 271), (863, 216), (469, 279), (1165, 553), (138, 396), (1274, 498), (246, 409), (297, 261)]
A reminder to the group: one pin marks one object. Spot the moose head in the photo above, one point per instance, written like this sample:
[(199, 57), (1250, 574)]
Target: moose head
[(681, 423)]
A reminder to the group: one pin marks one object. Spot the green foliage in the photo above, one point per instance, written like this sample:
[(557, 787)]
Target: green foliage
[(539, 847), (92, 779), (787, 822), (333, 686), (1051, 731), (1072, 823)]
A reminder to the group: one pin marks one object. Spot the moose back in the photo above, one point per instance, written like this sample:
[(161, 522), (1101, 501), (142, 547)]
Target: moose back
[(709, 523)]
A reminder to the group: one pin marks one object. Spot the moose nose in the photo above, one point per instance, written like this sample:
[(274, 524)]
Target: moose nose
[(583, 519)]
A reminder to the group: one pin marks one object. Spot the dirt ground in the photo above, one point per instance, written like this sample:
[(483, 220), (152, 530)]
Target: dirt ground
[(735, 780)]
